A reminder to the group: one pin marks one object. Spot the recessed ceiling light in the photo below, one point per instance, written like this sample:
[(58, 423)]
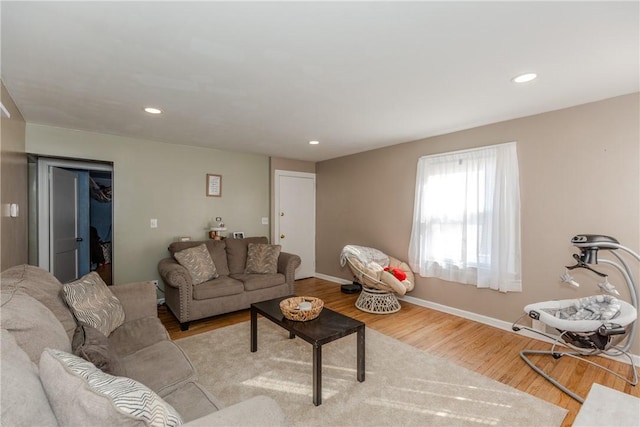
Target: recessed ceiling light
[(314, 142), (524, 78), (152, 110)]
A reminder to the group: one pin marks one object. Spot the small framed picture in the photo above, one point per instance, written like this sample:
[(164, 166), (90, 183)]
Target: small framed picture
[(214, 185), (238, 235)]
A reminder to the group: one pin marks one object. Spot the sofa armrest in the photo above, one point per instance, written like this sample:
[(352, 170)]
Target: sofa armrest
[(173, 274), (257, 411), (287, 264), (138, 299)]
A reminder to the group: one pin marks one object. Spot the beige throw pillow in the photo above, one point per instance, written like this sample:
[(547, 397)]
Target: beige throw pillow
[(198, 263), (262, 258), (93, 303), (82, 395)]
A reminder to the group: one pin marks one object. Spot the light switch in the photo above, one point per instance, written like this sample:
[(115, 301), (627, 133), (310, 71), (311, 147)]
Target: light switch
[(265, 220), (154, 223)]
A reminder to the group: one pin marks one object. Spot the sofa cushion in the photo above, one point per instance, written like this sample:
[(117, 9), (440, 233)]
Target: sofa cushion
[(99, 399), (93, 346), (262, 258), (162, 367), (237, 252), (137, 334), (217, 251), (23, 399), (254, 282), (33, 325), (198, 263), (93, 303), (220, 287), (255, 411), (43, 286), (192, 401)]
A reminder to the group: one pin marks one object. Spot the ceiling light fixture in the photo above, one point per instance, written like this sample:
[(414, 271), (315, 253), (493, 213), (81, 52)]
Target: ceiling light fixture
[(314, 142), (152, 110), (524, 78)]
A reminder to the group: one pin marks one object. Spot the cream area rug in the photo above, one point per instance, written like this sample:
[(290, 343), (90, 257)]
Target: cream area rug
[(404, 386)]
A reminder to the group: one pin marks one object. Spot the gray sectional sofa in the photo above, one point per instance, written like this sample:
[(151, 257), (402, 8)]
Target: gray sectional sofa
[(38, 325), (234, 289)]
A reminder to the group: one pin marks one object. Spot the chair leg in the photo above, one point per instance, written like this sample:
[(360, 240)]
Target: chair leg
[(184, 326)]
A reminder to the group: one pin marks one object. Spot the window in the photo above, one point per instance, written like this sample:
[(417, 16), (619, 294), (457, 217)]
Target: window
[(466, 220)]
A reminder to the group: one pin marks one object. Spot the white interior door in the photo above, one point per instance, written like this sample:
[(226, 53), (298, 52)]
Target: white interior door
[(63, 218), (64, 224), (295, 218)]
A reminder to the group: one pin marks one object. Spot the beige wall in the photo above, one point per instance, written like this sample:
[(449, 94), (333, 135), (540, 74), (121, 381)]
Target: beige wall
[(13, 174), (579, 173), (166, 182), (278, 163)]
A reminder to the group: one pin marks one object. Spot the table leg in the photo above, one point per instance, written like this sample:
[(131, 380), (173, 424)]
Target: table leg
[(254, 330), (361, 355), (317, 375)]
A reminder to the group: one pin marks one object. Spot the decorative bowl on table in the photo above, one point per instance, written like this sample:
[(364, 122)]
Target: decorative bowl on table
[(301, 309)]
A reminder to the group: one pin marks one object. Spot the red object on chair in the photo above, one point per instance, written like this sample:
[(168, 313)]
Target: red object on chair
[(399, 274)]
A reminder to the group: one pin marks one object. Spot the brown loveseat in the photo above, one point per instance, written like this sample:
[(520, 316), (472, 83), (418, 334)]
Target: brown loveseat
[(37, 327), (234, 289)]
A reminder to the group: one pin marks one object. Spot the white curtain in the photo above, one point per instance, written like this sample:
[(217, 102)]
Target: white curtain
[(466, 220)]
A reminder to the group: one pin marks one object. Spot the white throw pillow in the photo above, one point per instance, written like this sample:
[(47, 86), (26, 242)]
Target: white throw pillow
[(93, 303), (81, 394)]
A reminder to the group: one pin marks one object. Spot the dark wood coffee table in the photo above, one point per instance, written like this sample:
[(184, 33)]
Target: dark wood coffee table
[(327, 327)]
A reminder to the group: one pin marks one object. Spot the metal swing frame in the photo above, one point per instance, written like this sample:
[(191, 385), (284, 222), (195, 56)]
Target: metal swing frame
[(608, 340)]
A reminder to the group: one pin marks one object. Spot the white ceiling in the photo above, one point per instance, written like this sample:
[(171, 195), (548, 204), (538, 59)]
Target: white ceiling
[(267, 77)]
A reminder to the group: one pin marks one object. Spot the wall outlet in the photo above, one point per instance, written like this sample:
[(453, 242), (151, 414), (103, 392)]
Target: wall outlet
[(153, 223), (155, 282), (265, 220), (160, 301)]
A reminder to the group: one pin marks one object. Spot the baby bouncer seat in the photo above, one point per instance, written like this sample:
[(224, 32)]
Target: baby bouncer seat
[(597, 324), (382, 278)]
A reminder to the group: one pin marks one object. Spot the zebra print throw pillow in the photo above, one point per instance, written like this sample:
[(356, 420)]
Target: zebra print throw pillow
[(198, 263), (93, 303), (262, 258), (81, 394)]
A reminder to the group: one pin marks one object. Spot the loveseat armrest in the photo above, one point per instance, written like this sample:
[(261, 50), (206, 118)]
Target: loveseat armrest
[(287, 264), (257, 411), (138, 299), (173, 274)]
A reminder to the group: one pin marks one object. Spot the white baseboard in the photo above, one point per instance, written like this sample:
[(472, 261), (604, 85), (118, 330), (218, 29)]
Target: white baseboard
[(333, 279), (486, 320)]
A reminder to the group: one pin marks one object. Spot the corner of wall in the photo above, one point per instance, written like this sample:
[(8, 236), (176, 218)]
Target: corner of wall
[(13, 175)]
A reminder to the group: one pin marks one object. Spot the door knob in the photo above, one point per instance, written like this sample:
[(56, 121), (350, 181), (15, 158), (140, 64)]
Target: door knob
[(282, 236), (281, 213), (79, 239)]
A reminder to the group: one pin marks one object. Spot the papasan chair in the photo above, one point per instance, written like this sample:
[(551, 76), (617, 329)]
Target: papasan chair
[(382, 277)]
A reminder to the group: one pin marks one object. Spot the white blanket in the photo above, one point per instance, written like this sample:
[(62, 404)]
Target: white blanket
[(364, 254)]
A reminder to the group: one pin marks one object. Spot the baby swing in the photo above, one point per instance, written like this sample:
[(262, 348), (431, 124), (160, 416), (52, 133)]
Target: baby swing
[(599, 324)]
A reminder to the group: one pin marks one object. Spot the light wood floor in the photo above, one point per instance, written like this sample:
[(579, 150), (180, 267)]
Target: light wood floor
[(484, 349)]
